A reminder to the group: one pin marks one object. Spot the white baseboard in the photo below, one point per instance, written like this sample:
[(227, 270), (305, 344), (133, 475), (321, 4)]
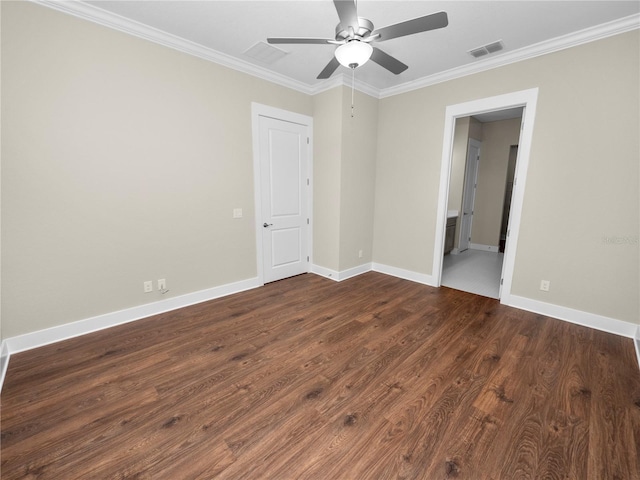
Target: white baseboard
[(592, 320), (40, 338), (485, 248), (63, 332), (4, 361), (341, 275), (326, 272), (355, 271), (636, 342), (405, 274)]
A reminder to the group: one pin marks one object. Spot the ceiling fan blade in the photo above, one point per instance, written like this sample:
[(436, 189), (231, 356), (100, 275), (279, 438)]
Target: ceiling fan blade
[(301, 40), (387, 61), (329, 69), (347, 13), (417, 25)]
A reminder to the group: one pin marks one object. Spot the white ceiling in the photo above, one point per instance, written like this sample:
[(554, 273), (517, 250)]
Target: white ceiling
[(226, 29)]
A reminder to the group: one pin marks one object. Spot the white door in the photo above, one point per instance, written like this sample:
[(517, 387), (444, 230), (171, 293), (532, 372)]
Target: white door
[(469, 193), (284, 154)]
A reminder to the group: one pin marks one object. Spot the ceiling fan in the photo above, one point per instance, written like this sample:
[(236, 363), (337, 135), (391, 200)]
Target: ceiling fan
[(354, 36)]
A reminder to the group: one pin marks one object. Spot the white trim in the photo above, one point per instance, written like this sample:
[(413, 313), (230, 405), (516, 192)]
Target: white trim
[(354, 272), (259, 110), (485, 248), (339, 276), (326, 272), (405, 274), (574, 39), (591, 320), (526, 99), (341, 79), (111, 20), (131, 27), (64, 332), (4, 362), (636, 342), (48, 336)]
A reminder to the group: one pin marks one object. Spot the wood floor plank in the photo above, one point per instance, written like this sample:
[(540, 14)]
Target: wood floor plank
[(370, 378)]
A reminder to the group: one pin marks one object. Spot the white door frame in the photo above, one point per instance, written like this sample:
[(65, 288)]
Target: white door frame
[(258, 110), (524, 98)]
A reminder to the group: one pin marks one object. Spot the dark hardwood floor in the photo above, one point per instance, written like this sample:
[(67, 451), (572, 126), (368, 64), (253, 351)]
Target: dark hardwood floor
[(371, 378)]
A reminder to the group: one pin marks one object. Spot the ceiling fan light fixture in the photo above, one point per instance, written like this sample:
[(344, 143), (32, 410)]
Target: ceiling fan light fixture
[(354, 53)]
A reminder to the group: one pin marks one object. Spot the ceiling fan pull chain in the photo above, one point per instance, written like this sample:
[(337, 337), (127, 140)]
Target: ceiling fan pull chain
[(353, 85)]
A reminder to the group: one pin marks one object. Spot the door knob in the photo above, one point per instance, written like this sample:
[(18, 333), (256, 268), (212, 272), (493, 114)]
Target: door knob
[(265, 224)]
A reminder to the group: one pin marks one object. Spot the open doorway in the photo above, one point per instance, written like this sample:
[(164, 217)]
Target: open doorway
[(527, 100), (479, 194)]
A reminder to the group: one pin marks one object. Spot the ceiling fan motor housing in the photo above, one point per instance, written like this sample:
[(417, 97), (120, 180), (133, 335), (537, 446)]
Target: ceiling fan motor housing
[(364, 30)]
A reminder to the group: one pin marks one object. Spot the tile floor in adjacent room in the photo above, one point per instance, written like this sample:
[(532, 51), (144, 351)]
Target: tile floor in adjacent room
[(474, 271)]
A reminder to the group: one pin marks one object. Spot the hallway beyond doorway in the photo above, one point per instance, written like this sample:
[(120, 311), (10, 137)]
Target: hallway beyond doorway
[(473, 271)]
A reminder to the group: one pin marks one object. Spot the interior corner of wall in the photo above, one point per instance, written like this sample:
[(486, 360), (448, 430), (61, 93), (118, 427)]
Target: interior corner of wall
[(4, 361)]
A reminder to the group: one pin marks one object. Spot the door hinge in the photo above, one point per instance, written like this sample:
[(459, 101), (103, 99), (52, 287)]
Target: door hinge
[(307, 259), (307, 182), (501, 281), (307, 221), (307, 140)]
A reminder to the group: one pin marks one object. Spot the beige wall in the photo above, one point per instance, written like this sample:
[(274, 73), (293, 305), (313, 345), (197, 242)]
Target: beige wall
[(492, 179), (327, 162), (582, 184), (122, 161), (344, 178), (357, 184), (475, 129)]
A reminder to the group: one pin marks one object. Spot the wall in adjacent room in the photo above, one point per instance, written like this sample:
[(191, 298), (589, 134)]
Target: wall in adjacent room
[(497, 138)]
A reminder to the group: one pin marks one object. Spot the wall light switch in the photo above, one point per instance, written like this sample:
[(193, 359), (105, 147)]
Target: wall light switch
[(237, 213)]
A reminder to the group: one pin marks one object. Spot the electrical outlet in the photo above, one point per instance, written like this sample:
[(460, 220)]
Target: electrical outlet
[(237, 213), (162, 284), (148, 287), (545, 285), (359, 253)]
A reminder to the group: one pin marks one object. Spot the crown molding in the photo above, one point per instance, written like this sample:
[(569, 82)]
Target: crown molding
[(342, 79), (574, 39), (102, 17), (117, 22)]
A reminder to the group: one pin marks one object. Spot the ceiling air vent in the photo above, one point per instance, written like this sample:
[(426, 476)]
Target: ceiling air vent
[(486, 49), (265, 53)]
